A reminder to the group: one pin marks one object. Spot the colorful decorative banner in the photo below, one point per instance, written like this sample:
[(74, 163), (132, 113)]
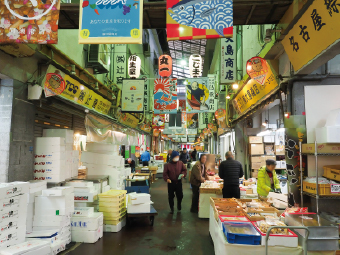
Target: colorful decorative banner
[(184, 120), (182, 105), (228, 60), (132, 95), (188, 19), (220, 116), (257, 69), (145, 127), (34, 21), (197, 95), (192, 120), (137, 153), (158, 121), (127, 119), (109, 22), (80, 94), (165, 96), (119, 66), (54, 84)]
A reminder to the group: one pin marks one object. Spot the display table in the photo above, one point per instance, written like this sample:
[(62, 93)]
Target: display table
[(222, 247), (204, 204)]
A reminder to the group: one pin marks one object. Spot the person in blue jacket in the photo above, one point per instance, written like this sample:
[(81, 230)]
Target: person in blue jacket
[(145, 157)]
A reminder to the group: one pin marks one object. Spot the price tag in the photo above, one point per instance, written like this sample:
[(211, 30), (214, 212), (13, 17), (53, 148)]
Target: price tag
[(335, 188)]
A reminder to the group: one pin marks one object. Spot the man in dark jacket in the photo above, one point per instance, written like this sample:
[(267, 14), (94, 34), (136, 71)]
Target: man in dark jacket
[(198, 176), (230, 171), (184, 156), (173, 174), (194, 155)]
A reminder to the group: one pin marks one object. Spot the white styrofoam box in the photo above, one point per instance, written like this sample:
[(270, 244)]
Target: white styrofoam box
[(79, 183), (87, 236), (68, 238), (116, 184), (31, 247), (36, 186), (98, 187), (90, 223), (58, 247), (31, 196), (101, 159), (139, 198), (47, 149), (58, 191), (59, 155), (9, 204), (46, 235), (13, 237), (106, 188), (140, 208), (65, 231), (127, 171), (115, 228), (102, 148), (49, 177), (29, 225), (283, 164), (83, 211), (49, 141), (104, 183), (329, 134), (56, 221), (61, 205), (269, 139), (85, 197), (278, 164), (12, 189), (67, 134), (48, 169), (30, 210), (16, 217), (49, 163), (85, 189)]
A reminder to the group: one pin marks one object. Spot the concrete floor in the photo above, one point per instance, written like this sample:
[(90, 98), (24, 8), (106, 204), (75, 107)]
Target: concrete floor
[(180, 233)]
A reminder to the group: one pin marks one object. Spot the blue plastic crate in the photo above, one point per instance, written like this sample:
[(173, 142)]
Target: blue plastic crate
[(252, 238), (138, 189)]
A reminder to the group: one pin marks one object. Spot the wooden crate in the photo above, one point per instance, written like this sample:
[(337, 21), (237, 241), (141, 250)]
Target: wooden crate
[(324, 189)]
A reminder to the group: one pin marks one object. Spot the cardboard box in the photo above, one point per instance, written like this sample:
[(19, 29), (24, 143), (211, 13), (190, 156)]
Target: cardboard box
[(269, 139), (256, 159), (269, 150), (58, 191), (67, 134), (256, 166), (87, 236), (330, 148), (89, 223), (256, 149), (254, 173), (280, 150), (246, 183), (141, 198), (255, 139)]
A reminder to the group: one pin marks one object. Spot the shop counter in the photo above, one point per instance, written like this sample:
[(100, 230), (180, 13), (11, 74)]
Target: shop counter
[(204, 204)]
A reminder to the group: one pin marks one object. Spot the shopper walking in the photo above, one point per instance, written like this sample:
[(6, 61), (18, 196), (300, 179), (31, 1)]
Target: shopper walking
[(194, 154), (173, 174), (198, 176), (267, 179), (230, 171), (145, 158), (168, 156), (184, 156)]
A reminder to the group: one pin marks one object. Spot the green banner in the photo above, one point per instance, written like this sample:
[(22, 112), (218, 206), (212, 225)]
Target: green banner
[(133, 149), (127, 154)]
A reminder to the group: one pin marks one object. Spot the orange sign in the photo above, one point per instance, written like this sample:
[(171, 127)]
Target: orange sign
[(54, 83), (220, 114), (165, 65), (257, 69)]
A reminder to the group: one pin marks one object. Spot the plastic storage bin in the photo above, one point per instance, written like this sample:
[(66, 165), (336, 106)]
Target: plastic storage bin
[(241, 233)]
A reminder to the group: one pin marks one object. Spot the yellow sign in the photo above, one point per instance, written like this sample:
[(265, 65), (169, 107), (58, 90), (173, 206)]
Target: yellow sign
[(127, 119), (84, 96), (253, 92), (317, 29)]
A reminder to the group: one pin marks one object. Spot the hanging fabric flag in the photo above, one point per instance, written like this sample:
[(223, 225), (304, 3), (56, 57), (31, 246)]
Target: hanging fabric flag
[(158, 121), (192, 120), (165, 96), (257, 69), (182, 105), (199, 19), (132, 95)]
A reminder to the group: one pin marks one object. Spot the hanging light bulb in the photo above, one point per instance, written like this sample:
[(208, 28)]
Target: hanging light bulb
[(227, 97), (235, 86)]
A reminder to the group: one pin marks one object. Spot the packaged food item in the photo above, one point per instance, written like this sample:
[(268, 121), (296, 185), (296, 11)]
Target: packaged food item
[(264, 225)]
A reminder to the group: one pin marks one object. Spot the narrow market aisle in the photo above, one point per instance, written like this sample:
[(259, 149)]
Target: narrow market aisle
[(180, 233)]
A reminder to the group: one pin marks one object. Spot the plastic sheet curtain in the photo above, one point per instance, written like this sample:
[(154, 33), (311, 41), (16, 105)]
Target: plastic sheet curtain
[(102, 131)]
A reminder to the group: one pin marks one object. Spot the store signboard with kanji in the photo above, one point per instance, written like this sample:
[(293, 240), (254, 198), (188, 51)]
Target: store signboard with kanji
[(189, 19), (34, 22), (54, 83), (165, 96), (253, 93), (119, 64), (315, 32), (228, 60), (257, 69), (165, 66), (127, 118), (134, 65), (195, 65), (146, 79), (110, 22), (132, 95)]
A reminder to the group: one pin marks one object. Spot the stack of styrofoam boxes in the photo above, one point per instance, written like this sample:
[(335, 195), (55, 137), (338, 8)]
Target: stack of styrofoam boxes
[(85, 193), (53, 210), (104, 159), (113, 205), (50, 160), (35, 188), (31, 247), (139, 203), (71, 157), (13, 209), (86, 225)]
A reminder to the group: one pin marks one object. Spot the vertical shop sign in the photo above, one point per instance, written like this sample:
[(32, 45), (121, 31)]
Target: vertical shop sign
[(54, 84), (165, 95), (195, 65), (187, 20), (119, 64), (132, 95), (110, 22), (197, 95), (201, 121), (228, 60), (134, 66), (212, 103), (146, 93), (34, 22)]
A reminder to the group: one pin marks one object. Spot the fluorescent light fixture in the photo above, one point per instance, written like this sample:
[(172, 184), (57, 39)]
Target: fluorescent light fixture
[(235, 86), (267, 132)]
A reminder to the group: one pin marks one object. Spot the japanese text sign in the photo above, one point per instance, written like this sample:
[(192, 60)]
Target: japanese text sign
[(257, 69), (165, 65), (228, 60), (134, 66), (195, 65), (158, 121), (317, 29), (34, 21), (132, 95), (109, 22), (146, 93), (188, 19), (127, 118), (54, 84), (165, 95), (119, 68)]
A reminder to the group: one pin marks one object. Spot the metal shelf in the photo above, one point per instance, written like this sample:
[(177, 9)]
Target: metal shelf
[(321, 154), (320, 197)]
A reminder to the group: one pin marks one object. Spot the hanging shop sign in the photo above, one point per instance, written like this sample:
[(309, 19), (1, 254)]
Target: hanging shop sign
[(119, 64), (137, 152), (184, 120), (314, 33), (156, 132), (54, 83), (254, 93), (220, 131), (109, 22), (182, 105), (165, 96), (158, 121), (146, 93), (134, 66), (165, 66), (195, 65), (127, 119), (34, 22), (145, 127), (257, 69), (192, 131), (220, 116), (192, 120), (203, 120), (77, 92), (228, 60), (132, 95), (212, 98), (187, 20)]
